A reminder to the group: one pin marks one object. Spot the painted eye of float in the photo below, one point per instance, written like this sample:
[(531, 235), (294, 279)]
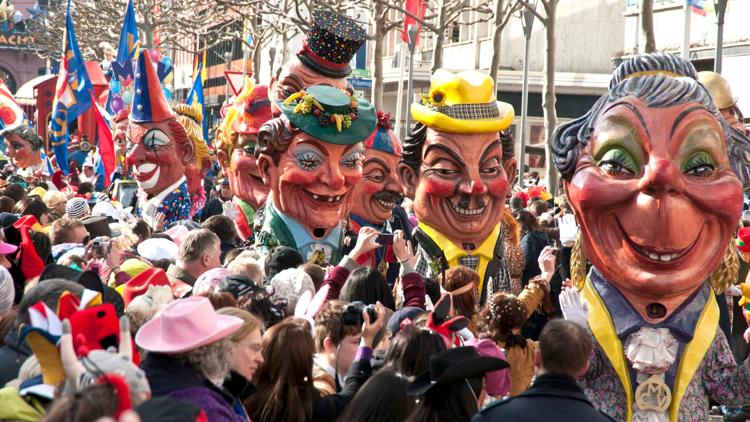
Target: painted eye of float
[(618, 162), (700, 164)]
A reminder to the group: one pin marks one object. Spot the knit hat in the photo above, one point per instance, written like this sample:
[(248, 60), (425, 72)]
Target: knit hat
[(7, 291), (209, 281), (237, 285), (290, 284), (77, 208), (281, 258), (331, 43)]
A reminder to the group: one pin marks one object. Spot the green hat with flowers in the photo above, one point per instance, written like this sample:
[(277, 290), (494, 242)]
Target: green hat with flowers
[(330, 114)]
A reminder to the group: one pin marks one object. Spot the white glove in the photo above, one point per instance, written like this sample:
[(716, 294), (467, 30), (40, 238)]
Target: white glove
[(230, 210), (573, 307), (735, 291), (568, 230)]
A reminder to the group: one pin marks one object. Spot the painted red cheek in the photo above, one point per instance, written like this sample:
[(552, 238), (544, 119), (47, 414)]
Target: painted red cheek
[(298, 177), (439, 187), (371, 187), (498, 186)]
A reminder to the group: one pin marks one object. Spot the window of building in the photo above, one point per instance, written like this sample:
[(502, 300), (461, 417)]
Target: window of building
[(455, 32)]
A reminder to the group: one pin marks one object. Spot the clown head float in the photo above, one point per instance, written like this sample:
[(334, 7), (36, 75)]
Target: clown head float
[(160, 149), (311, 159), (324, 58), (236, 142), (455, 170), (651, 172), (191, 119), (22, 143)]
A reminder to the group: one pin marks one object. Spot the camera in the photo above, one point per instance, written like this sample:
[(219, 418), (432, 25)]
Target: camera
[(99, 247), (352, 314)]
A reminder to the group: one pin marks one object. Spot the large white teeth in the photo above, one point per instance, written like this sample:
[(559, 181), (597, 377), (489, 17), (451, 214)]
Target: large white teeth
[(663, 257), (330, 199), (145, 167), (467, 211), (315, 196)]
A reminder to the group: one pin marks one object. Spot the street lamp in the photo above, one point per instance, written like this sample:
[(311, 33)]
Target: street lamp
[(413, 34), (720, 6), (527, 20)]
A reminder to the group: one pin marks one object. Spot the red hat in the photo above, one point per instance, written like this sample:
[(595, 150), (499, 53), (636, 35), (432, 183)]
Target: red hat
[(149, 103), (138, 285), (30, 262), (743, 239)]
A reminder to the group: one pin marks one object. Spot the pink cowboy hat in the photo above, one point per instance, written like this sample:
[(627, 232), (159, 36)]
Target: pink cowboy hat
[(185, 325)]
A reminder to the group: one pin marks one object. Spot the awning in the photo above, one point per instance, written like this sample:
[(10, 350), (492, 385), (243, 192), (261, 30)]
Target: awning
[(25, 94)]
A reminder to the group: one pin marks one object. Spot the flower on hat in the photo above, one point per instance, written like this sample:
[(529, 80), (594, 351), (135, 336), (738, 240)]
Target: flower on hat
[(307, 104)]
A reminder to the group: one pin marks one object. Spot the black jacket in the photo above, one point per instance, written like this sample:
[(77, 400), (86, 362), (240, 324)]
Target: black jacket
[(552, 397), (532, 244), (328, 408), (12, 356)]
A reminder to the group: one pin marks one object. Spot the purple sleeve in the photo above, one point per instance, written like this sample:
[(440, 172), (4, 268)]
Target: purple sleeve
[(726, 381), (215, 407), (363, 353)]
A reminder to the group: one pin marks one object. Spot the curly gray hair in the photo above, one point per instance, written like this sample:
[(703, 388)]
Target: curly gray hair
[(210, 360)]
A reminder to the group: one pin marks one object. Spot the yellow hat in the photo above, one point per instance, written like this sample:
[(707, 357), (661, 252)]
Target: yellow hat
[(719, 89), (462, 103)]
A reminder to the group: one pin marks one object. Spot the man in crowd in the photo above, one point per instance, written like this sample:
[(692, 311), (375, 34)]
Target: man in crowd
[(199, 252)]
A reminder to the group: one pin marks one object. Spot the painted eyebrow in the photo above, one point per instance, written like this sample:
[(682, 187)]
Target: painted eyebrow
[(682, 115), (494, 145), (315, 144), (378, 161), (635, 111), (447, 151)]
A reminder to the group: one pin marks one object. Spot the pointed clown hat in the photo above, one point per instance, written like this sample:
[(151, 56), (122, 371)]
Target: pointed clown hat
[(462, 103), (383, 138), (149, 103)]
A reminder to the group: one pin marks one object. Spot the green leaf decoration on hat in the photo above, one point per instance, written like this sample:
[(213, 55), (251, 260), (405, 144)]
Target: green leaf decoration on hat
[(330, 114)]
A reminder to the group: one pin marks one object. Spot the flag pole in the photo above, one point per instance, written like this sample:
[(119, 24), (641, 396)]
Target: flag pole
[(400, 92), (686, 31)]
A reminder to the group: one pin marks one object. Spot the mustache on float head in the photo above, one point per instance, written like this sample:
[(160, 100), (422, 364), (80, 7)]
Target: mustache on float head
[(388, 196), (465, 200)]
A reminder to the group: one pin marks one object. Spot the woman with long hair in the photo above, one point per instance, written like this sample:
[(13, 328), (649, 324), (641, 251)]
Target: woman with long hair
[(383, 398), (462, 283), (285, 390), (410, 350)]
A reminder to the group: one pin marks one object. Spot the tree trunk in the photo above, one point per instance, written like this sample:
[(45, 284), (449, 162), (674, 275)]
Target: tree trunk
[(284, 48), (496, 38), (647, 26), (377, 57), (437, 53), (548, 94), (256, 61)]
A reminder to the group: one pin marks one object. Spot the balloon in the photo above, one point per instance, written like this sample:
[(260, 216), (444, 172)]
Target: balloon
[(114, 86), (155, 55), (117, 104), (167, 93), (127, 97), (167, 61)]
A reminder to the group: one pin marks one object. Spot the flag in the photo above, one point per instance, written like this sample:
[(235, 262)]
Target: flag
[(47, 169), (72, 94), (418, 9), (11, 114), (195, 98), (105, 144), (129, 42), (697, 6)]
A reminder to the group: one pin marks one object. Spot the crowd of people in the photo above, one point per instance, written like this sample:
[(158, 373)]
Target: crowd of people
[(305, 264)]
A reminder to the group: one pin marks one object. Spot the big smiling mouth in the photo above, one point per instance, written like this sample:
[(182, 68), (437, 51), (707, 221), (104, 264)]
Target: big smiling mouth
[(659, 256), (462, 207), (326, 199)]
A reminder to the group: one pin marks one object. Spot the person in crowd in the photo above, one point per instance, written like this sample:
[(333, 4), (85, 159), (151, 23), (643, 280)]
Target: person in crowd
[(33, 205), (198, 253), (289, 285), (7, 204), (188, 345), (68, 230), (383, 398), (14, 191), (497, 383), (280, 259), (247, 356), (77, 208), (562, 356), (245, 263), (285, 381), (338, 332), (453, 388), (223, 227), (411, 348), (55, 201), (461, 283), (367, 285)]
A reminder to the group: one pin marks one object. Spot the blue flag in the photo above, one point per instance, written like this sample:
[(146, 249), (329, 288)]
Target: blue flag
[(195, 98), (122, 67), (72, 94)]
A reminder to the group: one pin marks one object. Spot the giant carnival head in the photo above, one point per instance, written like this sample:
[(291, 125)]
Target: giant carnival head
[(651, 172), (311, 156), (380, 189), (160, 149), (324, 57), (237, 139), (22, 143), (191, 119), (455, 166)]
